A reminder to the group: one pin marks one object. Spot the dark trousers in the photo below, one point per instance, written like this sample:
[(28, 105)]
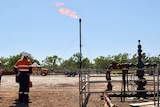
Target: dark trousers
[(23, 87), (23, 83)]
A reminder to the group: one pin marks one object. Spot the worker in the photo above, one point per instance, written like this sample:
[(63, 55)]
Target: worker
[(23, 69)]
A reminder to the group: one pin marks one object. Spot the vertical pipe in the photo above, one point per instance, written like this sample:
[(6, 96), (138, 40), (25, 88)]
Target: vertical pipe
[(80, 72), (80, 44)]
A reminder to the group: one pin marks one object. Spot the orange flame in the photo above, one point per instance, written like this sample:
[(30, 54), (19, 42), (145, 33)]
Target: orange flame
[(65, 11), (68, 12)]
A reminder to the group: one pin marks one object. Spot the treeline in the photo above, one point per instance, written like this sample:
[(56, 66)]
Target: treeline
[(101, 62)]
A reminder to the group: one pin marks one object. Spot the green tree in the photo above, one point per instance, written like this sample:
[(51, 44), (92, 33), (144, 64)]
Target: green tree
[(155, 59), (102, 62), (52, 62), (69, 64), (133, 59), (121, 58), (86, 63), (74, 62)]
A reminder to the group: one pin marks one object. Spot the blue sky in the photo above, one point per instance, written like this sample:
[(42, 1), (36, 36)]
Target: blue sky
[(109, 27)]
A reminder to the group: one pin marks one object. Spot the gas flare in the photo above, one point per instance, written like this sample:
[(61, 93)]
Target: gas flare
[(65, 11), (68, 12)]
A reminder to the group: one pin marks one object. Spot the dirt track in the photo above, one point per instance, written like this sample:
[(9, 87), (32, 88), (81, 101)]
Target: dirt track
[(50, 91)]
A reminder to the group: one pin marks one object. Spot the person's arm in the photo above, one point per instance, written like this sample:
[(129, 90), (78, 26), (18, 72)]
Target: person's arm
[(16, 68), (30, 67), (30, 70)]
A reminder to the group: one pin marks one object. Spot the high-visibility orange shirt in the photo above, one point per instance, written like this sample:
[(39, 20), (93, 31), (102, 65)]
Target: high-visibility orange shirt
[(23, 64)]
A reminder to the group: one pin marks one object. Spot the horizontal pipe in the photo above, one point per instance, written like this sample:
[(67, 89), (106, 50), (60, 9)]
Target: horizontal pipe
[(116, 81), (127, 92)]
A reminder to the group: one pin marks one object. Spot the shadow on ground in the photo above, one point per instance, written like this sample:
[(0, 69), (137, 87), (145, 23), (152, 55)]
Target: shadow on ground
[(17, 103)]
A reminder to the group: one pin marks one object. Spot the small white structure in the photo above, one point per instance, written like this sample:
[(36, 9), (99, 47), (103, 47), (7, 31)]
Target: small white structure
[(36, 68)]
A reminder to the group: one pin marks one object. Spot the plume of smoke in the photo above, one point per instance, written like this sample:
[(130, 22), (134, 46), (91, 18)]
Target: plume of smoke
[(65, 11), (68, 12)]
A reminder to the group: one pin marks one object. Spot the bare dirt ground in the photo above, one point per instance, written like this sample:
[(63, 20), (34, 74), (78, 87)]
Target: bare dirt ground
[(51, 91)]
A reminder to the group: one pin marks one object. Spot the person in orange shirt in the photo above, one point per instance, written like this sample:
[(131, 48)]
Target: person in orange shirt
[(23, 69)]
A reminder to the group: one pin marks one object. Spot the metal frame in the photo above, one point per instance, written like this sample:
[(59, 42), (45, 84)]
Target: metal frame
[(85, 82)]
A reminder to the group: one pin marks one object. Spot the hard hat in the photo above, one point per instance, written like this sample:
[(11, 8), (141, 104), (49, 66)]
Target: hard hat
[(25, 54)]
